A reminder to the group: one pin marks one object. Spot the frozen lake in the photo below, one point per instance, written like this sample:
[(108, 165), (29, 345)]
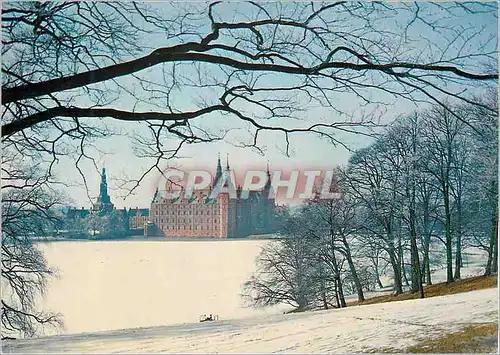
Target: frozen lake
[(107, 285)]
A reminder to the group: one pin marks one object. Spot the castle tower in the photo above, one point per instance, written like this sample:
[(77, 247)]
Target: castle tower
[(218, 173), (267, 186), (103, 191), (155, 196), (268, 204), (103, 202)]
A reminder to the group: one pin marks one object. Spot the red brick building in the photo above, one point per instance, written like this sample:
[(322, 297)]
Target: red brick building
[(221, 217)]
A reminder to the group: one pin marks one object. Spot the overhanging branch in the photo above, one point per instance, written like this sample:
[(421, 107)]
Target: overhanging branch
[(180, 54), (18, 125)]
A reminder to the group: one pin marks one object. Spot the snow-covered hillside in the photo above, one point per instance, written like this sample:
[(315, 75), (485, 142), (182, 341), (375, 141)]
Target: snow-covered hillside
[(363, 328)]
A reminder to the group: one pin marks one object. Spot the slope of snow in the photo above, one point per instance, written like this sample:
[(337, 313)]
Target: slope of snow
[(474, 261), (390, 325)]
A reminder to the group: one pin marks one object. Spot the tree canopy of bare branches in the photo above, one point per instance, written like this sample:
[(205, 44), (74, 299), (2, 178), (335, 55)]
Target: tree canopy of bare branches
[(29, 202), (191, 73)]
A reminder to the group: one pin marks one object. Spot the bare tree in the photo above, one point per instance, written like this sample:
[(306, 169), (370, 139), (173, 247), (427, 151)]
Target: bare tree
[(441, 136), (286, 271), (375, 255), (402, 151), (427, 204), (462, 176), (375, 187), (483, 199), (28, 210), (335, 221)]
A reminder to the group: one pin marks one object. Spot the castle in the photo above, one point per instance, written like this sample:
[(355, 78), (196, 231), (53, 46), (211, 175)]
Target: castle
[(220, 217), (198, 216)]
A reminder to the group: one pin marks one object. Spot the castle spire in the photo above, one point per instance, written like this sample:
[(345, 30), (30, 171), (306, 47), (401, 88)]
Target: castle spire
[(103, 189), (155, 196), (267, 187), (218, 173), (103, 202), (227, 161)]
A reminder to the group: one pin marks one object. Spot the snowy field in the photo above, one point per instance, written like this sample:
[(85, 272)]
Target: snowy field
[(393, 325), (108, 285), (146, 296)]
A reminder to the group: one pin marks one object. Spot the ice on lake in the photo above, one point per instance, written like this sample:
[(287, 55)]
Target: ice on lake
[(107, 285)]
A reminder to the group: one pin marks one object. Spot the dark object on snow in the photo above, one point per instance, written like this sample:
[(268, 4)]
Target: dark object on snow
[(210, 318)]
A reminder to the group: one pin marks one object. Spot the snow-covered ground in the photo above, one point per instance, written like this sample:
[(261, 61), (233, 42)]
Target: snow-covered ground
[(109, 285), (474, 261), (158, 290), (163, 283), (393, 325)]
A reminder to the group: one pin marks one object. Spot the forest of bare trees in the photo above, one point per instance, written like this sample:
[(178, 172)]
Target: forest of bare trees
[(429, 181), (75, 74)]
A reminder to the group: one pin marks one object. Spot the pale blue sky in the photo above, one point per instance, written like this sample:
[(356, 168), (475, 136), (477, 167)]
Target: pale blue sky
[(305, 149)]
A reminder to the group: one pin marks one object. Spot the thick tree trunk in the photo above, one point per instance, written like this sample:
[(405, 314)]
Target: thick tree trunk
[(426, 269), (447, 233), (492, 263), (352, 268), (416, 277), (377, 275), (416, 285), (458, 241), (341, 292), (322, 283), (336, 271), (323, 296), (398, 287), (401, 262), (428, 272), (416, 274), (337, 300), (374, 261)]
